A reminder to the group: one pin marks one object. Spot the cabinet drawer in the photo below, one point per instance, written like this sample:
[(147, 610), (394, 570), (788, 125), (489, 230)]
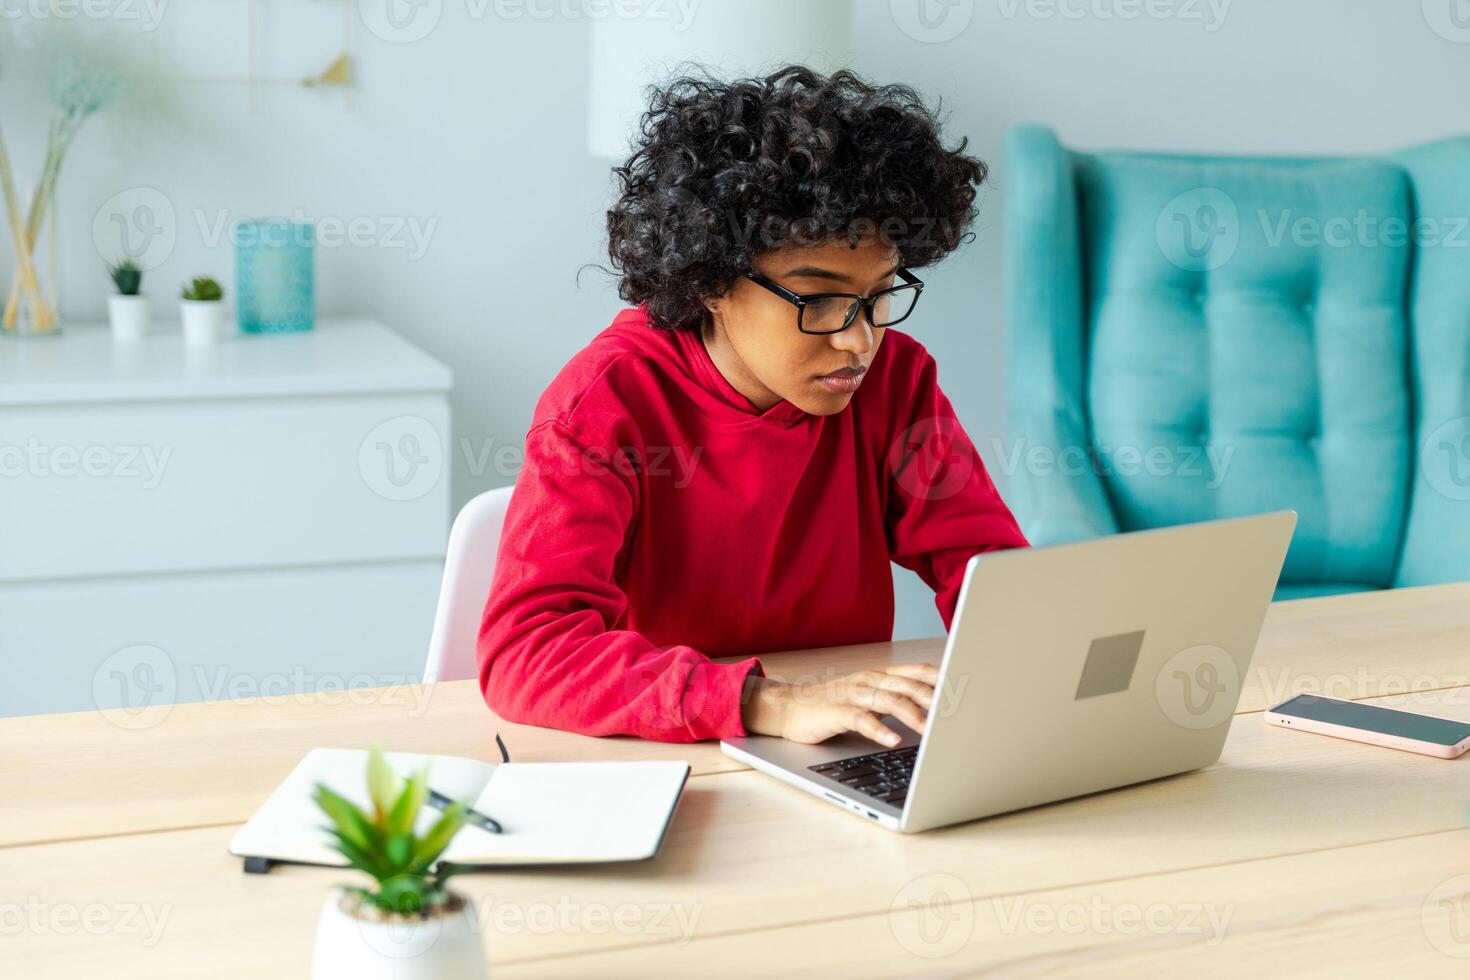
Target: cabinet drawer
[(138, 645), (151, 487)]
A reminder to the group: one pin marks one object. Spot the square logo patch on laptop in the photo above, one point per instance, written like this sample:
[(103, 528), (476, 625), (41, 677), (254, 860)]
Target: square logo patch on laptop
[(1109, 666)]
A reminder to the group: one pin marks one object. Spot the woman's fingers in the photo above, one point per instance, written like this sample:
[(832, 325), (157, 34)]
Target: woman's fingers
[(858, 702), (886, 702), (917, 691), (905, 710), (868, 724), (927, 673)]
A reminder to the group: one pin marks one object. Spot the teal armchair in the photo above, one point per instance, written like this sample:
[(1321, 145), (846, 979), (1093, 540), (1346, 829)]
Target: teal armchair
[(1196, 337)]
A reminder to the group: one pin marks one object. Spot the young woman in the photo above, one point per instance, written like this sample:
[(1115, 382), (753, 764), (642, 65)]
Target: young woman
[(730, 467)]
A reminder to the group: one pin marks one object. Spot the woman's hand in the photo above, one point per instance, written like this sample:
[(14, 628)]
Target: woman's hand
[(852, 703)]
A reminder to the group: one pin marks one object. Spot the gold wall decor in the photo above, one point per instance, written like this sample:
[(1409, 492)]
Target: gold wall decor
[(337, 75)]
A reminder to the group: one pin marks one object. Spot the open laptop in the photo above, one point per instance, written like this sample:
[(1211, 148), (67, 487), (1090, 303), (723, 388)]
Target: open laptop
[(1069, 669)]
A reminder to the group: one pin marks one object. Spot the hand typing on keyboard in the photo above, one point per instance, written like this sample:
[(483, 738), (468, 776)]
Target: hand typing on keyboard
[(813, 712)]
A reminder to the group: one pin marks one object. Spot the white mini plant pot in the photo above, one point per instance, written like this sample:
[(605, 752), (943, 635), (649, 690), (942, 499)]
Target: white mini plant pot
[(353, 944), (204, 321), (128, 315)]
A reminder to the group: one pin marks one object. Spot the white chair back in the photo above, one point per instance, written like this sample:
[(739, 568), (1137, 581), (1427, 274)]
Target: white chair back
[(469, 565)]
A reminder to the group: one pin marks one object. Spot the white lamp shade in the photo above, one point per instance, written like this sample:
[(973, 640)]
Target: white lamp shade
[(642, 42)]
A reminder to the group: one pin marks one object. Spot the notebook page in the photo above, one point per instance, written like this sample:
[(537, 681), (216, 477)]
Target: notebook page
[(288, 826), (564, 812)]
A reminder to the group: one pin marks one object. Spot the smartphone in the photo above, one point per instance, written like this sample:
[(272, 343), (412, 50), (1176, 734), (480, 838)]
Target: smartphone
[(1369, 723)]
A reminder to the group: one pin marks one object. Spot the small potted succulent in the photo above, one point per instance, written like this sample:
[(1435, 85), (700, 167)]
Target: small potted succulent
[(203, 312), (127, 309), (409, 925)]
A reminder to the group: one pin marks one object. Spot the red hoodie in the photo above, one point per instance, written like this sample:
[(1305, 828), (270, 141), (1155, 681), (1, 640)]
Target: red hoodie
[(660, 519)]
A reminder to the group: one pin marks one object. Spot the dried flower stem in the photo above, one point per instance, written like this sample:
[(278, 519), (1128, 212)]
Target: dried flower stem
[(25, 280)]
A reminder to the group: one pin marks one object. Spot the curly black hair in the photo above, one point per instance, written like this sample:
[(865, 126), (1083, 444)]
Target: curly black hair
[(722, 171)]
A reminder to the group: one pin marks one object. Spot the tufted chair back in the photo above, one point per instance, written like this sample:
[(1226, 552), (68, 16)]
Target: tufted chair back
[(1202, 337)]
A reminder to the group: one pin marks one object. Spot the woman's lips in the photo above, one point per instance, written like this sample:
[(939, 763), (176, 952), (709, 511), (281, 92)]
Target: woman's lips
[(843, 382)]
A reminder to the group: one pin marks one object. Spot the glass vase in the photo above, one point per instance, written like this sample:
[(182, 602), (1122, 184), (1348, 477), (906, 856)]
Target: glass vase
[(275, 277), (31, 304)]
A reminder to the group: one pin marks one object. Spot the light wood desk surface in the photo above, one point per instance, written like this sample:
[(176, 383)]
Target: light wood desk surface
[(1295, 855)]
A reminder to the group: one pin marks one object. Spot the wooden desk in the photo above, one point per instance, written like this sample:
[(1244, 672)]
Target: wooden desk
[(1297, 854)]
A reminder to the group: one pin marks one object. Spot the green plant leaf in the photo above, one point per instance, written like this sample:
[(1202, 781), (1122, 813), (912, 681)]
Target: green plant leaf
[(348, 818), (399, 851), (404, 894), (405, 810), (361, 860), (202, 289), (384, 784), (433, 843), (126, 277)]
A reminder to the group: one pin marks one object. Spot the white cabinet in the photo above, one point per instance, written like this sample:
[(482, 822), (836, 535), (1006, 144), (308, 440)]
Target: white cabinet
[(267, 516)]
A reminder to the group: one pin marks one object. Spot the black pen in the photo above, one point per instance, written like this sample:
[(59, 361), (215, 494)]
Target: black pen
[(474, 818)]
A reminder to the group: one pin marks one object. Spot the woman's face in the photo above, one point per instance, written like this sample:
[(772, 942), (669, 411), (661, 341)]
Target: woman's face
[(754, 341)]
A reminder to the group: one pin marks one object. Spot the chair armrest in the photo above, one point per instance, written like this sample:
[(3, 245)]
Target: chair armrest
[(1436, 546), (1057, 492)]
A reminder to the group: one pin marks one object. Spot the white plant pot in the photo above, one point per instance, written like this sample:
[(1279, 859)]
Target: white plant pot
[(445, 947), (129, 316), (204, 321)]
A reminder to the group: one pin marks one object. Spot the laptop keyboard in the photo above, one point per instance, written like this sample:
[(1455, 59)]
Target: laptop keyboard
[(882, 775)]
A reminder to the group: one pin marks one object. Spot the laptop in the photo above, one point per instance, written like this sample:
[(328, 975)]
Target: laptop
[(1068, 670)]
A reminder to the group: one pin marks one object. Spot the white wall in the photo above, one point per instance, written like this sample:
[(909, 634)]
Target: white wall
[(1270, 76), (476, 132)]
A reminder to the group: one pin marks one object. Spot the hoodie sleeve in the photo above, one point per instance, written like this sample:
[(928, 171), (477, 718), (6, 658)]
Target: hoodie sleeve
[(942, 506), (550, 650)]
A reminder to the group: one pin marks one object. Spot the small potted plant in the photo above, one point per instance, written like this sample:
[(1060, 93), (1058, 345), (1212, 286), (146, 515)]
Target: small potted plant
[(202, 311), (127, 310), (409, 925)]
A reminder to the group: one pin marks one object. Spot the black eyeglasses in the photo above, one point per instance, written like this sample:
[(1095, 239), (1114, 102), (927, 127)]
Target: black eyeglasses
[(825, 313)]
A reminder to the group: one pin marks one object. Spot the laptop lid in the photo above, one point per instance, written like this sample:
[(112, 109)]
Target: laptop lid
[(1082, 667)]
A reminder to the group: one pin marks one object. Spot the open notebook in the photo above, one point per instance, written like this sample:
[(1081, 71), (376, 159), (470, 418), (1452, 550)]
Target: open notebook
[(551, 812)]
